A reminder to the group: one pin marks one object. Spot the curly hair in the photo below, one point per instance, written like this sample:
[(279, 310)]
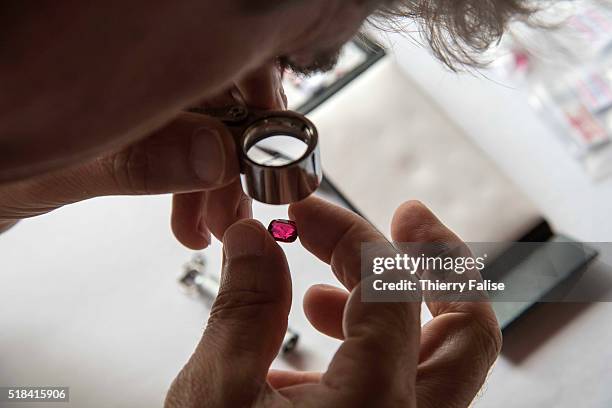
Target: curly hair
[(458, 31)]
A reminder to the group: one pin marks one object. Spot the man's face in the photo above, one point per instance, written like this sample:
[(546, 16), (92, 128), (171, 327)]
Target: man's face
[(319, 29)]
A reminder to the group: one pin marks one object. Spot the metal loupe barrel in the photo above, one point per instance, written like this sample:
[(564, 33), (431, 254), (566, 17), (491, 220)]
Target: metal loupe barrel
[(280, 179)]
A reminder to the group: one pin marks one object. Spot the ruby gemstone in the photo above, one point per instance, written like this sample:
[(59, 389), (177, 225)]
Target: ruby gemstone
[(283, 230)]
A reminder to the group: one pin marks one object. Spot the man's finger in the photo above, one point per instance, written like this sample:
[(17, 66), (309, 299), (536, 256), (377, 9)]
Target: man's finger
[(263, 88), (225, 206), (196, 215), (334, 235), (380, 351), (324, 308), (415, 225), (194, 152), (247, 323), (186, 220), (463, 337), (281, 379)]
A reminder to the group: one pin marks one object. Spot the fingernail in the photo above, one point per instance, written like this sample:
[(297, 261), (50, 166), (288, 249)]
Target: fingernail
[(208, 156), (244, 239), (204, 232), (245, 208)]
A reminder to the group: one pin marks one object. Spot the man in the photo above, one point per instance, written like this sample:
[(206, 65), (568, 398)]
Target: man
[(91, 104)]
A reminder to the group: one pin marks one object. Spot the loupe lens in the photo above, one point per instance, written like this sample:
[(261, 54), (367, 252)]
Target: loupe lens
[(277, 150), (277, 141)]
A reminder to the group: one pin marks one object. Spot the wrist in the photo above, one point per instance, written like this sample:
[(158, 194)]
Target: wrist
[(6, 225)]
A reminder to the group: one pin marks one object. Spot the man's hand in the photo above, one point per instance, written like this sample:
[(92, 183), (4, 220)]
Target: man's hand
[(195, 155), (386, 359)]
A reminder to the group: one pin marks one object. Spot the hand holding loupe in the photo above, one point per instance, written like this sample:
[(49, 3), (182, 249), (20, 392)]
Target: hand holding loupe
[(278, 152)]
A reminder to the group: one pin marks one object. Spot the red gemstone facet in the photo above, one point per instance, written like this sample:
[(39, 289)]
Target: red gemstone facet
[(283, 230)]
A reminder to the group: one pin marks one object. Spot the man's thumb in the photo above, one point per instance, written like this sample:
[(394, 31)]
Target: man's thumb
[(248, 319)]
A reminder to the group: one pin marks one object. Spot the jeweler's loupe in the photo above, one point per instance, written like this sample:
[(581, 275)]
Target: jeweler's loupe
[(278, 152)]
